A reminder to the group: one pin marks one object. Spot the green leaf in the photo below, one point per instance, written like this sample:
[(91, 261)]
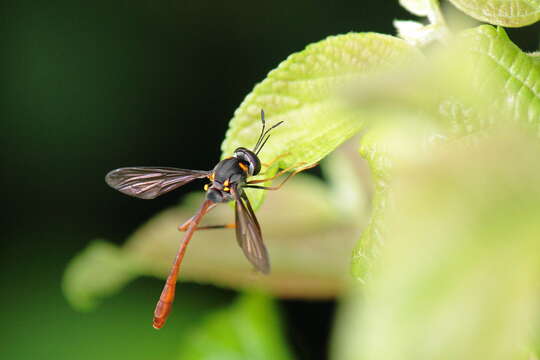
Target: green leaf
[(510, 77), (395, 138), (535, 56), (479, 80), (510, 13), (484, 82), (250, 329), (373, 150), (303, 91), (457, 276), (472, 84)]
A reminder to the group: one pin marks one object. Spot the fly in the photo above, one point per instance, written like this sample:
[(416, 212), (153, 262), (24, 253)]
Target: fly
[(228, 179)]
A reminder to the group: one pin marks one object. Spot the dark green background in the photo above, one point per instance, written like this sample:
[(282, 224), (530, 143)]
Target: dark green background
[(90, 86)]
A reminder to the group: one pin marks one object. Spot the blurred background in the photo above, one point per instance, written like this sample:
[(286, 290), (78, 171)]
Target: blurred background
[(89, 87)]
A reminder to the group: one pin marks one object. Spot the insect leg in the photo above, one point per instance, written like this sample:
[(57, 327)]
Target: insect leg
[(164, 304), (283, 172), (268, 165), (250, 186), (208, 227), (275, 176), (185, 226)]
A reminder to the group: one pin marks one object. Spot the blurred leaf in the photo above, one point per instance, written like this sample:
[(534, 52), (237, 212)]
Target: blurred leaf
[(482, 82), (300, 91), (347, 175), (510, 13), (418, 7), (418, 34), (430, 9), (535, 57), (372, 149), (457, 276), (478, 80), (99, 271), (309, 240), (250, 329), (394, 138)]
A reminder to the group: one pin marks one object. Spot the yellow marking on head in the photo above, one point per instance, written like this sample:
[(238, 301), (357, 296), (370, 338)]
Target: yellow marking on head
[(206, 187), (243, 167), (226, 183), (226, 189)]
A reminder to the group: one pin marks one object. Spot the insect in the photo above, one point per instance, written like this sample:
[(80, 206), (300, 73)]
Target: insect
[(228, 180)]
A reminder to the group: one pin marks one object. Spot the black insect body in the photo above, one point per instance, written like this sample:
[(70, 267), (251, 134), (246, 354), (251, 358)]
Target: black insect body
[(228, 179), (230, 173)]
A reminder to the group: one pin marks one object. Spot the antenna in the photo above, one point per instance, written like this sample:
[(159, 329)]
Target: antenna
[(262, 140)]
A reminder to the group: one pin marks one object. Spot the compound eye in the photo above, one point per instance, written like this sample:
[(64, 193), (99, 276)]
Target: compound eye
[(256, 166), (249, 158)]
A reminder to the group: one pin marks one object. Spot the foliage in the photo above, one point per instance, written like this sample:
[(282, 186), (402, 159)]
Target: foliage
[(249, 329), (512, 13), (449, 257), (456, 277)]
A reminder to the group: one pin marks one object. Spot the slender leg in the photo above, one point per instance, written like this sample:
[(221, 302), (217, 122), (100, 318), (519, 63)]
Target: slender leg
[(267, 165), (208, 227), (185, 225), (283, 172), (280, 185), (279, 173), (164, 305)]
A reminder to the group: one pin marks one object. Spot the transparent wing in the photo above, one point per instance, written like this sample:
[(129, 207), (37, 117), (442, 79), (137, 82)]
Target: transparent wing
[(249, 236), (150, 182)]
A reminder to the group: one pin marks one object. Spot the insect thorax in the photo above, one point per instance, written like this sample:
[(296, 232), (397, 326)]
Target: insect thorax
[(229, 170)]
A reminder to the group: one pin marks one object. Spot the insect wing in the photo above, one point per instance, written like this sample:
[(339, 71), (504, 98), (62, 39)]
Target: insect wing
[(249, 236), (150, 182)]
